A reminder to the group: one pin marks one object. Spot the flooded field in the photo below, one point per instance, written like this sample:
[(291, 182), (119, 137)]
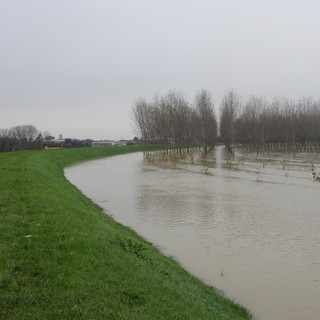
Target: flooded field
[(248, 225)]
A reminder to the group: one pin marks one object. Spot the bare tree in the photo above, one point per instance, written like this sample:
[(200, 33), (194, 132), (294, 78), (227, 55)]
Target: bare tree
[(229, 111), (20, 138), (258, 125), (140, 117), (282, 125), (204, 109)]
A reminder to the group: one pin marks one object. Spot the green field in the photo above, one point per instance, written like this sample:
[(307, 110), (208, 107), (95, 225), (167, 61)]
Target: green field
[(61, 257)]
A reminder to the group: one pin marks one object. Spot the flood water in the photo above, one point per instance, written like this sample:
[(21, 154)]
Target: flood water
[(249, 226)]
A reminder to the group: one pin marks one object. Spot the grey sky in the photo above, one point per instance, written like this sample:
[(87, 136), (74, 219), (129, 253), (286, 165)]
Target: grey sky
[(76, 66)]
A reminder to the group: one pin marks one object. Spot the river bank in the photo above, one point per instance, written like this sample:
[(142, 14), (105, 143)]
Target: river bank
[(63, 258)]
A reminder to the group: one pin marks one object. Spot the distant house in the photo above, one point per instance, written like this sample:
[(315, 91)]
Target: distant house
[(121, 142), (136, 140), (75, 143), (67, 143), (103, 143), (53, 144)]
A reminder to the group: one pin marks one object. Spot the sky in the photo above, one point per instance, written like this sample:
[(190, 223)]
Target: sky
[(76, 67)]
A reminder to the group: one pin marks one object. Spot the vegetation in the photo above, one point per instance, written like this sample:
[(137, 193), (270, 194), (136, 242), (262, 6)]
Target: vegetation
[(259, 125), (315, 175), (281, 125), (63, 258), (18, 138), (174, 124)]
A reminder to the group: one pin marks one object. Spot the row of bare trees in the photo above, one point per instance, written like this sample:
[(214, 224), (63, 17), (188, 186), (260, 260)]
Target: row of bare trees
[(20, 138), (171, 121), (280, 125)]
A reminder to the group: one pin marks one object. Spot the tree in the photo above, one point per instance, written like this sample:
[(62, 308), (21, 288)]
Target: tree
[(204, 109), (229, 111), (20, 138)]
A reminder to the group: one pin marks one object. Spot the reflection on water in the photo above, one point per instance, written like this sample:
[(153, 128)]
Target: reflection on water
[(249, 227)]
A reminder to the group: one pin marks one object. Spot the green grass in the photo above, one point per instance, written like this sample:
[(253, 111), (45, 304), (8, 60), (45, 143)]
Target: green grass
[(61, 257)]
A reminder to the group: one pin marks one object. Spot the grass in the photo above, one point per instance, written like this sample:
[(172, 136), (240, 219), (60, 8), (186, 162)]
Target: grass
[(61, 257)]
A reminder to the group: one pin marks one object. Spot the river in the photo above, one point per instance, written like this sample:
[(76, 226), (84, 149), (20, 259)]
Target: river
[(249, 226)]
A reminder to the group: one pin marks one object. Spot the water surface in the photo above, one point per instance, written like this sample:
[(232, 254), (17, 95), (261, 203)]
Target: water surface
[(248, 226)]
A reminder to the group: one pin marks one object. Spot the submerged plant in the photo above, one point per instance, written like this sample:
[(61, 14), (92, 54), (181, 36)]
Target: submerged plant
[(191, 158), (240, 160), (183, 155), (149, 156), (203, 157), (315, 175), (259, 172), (284, 163), (173, 159), (264, 162), (235, 162), (229, 159), (205, 171)]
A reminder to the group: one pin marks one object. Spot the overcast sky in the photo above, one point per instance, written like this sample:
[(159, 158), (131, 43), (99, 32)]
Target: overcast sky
[(76, 66)]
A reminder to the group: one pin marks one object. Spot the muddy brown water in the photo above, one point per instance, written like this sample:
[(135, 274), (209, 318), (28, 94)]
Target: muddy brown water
[(249, 226)]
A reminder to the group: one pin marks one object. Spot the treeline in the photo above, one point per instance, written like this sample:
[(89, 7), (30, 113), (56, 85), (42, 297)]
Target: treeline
[(18, 138), (280, 125), (171, 121), (257, 124)]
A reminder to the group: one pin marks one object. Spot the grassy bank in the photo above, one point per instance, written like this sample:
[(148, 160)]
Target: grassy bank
[(61, 257)]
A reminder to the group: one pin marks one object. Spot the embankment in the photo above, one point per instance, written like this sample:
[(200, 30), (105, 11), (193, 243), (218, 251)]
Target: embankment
[(63, 258)]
